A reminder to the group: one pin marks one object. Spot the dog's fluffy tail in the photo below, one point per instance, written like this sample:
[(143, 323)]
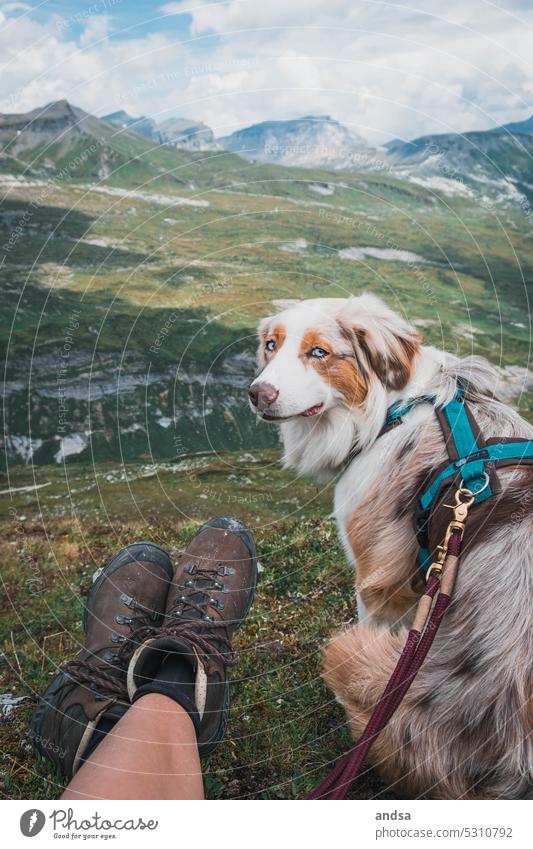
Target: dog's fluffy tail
[(478, 378), (433, 746)]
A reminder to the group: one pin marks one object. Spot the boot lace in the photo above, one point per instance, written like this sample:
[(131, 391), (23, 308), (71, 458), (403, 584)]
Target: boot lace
[(188, 621), (105, 675)]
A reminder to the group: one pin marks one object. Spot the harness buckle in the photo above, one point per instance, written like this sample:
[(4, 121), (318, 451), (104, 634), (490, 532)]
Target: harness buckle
[(461, 508), (464, 498)]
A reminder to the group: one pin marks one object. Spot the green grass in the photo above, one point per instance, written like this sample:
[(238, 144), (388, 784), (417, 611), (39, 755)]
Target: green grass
[(237, 239), (214, 271), (285, 728)]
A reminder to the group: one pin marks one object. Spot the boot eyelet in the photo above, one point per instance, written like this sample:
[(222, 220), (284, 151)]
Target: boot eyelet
[(123, 620), (127, 600), (190, 569), (208, 618), (118, 638)]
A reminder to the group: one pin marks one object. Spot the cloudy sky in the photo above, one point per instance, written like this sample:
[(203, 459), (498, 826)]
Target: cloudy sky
[(385, 69)]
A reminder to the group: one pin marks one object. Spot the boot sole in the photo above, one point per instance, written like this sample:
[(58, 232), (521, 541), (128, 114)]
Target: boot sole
[(205, 749), (46, 702)]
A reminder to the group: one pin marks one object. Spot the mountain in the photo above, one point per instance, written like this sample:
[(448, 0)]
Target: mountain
[(59, 123), (517, 127), (309, 142), (176, 132), (61, 141), (143, 126), (494, 165), (390, 145), (187, 134)]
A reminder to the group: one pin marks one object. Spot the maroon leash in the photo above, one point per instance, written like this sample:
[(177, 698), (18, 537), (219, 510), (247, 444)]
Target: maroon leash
[(429, 613)]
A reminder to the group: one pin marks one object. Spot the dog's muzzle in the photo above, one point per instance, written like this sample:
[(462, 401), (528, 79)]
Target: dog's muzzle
[(262, 395)]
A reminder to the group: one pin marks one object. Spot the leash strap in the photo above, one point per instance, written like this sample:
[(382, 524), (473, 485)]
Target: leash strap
[(419, 641)]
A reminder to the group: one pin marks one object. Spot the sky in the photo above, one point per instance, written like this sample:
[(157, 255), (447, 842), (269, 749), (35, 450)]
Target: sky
[(384, 69)]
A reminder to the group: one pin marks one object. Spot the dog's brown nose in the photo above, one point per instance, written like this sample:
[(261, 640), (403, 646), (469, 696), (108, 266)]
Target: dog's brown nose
[(262, 395)]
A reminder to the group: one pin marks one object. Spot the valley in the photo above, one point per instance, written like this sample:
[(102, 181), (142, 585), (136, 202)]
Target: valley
[(133, 274), (133, 277)]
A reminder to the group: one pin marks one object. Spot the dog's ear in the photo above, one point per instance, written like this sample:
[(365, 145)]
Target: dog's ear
[(383, 342)]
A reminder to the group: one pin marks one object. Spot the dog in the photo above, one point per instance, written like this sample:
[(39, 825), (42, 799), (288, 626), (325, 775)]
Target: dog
[(329, 370)]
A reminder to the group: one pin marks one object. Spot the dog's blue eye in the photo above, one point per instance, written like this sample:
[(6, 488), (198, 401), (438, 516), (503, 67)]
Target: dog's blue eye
[(270, 345), (318, 353)]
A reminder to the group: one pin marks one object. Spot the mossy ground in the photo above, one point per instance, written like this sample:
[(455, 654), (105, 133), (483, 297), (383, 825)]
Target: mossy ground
[(126, 267), (285, 728)]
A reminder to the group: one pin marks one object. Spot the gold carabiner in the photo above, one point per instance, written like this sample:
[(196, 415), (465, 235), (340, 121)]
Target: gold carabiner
[(464, 498)]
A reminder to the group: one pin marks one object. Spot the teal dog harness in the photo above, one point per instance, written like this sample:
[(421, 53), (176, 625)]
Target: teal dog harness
[(472, 460)]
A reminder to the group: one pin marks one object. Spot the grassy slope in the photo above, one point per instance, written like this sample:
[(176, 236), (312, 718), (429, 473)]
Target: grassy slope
[(130, 265), (285, 728), (229, 257), (223, 260)]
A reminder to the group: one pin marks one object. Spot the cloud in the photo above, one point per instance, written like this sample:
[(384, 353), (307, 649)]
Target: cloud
[(96, 29), (384, 68), (15, 7), (182, 8)]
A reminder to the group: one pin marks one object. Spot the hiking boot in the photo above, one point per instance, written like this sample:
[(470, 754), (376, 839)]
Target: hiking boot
[(128, 596), (211, 593)]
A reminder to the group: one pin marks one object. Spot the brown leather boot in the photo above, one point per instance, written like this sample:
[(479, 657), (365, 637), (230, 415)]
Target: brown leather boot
[(211, 593), (128, 597)]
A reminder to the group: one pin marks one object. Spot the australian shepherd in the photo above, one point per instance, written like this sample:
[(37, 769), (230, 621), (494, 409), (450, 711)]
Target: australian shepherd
[(329, 370)]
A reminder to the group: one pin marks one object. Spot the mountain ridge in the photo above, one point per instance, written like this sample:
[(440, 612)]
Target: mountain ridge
[(310, 141), (62, 140), (497, 166), (183, 133), (519, 127)]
